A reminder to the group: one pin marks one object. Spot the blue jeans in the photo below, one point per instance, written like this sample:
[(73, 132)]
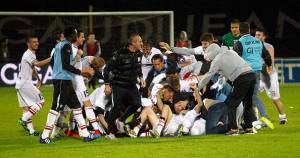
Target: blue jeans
[(216, 113), (256, 100)]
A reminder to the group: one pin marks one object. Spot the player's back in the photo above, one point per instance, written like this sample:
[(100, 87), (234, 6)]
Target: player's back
[(231, 64)]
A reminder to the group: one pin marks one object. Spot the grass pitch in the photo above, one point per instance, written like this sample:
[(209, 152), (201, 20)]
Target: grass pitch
[(283, 141)]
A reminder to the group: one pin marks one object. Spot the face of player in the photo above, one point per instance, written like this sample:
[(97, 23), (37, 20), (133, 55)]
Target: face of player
[(33, 44), (180, 106), (204, 44), (235, 29), (137, 43), (260, 35), (62, 37), (168, 95), (158, 65), (146, 50), (80, 39)]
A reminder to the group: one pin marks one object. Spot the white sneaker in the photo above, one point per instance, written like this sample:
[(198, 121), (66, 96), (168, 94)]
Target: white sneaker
[(132, 134), (110, 136), (154, 133), (120, 126), (258, 124)]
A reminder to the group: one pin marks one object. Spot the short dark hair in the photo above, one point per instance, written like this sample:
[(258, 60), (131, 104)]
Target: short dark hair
[(147, 43), (172, 68), (260, 29), (235, 21), (244, 28), (173, 57), (78, 32), (56, 35), (132, 35), (156, 57), (173, 84), (207, 37), (71, 33), (30, 36)]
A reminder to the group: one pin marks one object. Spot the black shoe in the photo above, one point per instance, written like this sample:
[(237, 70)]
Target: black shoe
[(89, 138), (283, 121), (46, 141), (232, 132), (250, 131), (35, 133)]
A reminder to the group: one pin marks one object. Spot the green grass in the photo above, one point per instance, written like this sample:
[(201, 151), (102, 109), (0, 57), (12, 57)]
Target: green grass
[(283, 141)]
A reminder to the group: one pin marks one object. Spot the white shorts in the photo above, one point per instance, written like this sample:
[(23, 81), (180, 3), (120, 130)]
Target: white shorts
[(273, 91), (28, 95), (80, 89), (173, 125), (198, 127), (189, 119), (98, 98)]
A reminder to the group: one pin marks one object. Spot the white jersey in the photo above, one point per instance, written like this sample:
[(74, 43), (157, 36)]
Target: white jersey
[(146, 61), (185, 84), (27, 93), (186, 120), (199, 50), (273, 90), (85, 61), (78, 81), (26, 68), (189, 58), (78, 64), (270, 46)]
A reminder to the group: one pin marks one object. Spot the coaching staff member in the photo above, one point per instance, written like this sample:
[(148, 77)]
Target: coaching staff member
[(121, 74)]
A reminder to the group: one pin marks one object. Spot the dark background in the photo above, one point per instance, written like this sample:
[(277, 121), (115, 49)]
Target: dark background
[(267, 12)]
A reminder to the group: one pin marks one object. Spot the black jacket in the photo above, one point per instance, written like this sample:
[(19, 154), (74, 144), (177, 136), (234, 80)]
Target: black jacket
[(124, 68)]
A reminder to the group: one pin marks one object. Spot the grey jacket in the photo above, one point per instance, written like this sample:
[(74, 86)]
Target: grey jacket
[(227, 63)]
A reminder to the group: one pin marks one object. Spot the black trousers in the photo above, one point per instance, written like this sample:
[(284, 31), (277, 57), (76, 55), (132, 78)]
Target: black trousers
[(126, 101), (243, 88), (64, 94)]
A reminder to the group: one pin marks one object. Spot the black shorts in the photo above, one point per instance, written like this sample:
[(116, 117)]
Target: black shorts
[(125, 96), (64, 94)]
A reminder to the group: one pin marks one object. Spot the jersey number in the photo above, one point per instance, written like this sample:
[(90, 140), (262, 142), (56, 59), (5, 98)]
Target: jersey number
[(250, 50)]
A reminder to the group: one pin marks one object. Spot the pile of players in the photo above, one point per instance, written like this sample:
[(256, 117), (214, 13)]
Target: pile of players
[(171, 91)]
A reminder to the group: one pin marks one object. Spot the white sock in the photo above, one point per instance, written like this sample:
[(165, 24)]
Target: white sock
[(81, 123), (30, 126), (91, 117), (102, 131), (55, 131), (281, 117), (32, 110), (72, 122), (160, 125), (61, 119), (137, 128), (49, 124)]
